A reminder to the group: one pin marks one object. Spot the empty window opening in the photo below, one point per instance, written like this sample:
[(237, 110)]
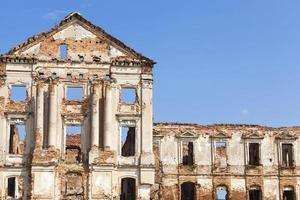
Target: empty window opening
[(288, 193), (54, 75), (11, 187), (254, 154), (188, 191), (128, 141), (69, 76), (73, 152), (73, 144), (42, 75), (17, 135), (128, 189), (220, 154), (73, 129), (95, 76), (73, 186), (128, 95), (96, 58), (188, 152), (18, 92), (81, 58), (255, 193), (222, 193), (74, 93), (63, 51), (287, 155)]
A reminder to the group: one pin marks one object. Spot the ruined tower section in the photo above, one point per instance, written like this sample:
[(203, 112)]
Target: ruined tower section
[(75, 116)]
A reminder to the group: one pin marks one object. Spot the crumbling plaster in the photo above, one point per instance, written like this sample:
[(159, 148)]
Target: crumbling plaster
[(238, 176), (102, 66)]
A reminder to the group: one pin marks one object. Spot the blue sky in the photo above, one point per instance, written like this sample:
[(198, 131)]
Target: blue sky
[(232, 61)]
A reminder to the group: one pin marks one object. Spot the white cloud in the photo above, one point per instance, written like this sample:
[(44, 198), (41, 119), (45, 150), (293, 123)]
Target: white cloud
[(244, 111), (54, 15)]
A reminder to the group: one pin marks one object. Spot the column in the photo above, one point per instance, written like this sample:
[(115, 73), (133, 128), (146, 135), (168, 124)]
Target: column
[(52, 114), (39, 131), (108, 117), (95, 116), (147, 116), (147, 157)]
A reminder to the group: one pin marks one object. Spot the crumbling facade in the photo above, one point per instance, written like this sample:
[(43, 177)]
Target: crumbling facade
[(226, 161), (75, 116), (76, 124)]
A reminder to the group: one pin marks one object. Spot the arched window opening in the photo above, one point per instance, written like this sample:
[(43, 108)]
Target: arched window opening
[(221, 193), (188, 191), (288, 193), (255, 193), (128, 189)]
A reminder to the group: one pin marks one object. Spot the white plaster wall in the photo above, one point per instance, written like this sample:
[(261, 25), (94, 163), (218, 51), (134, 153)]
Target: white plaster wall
[(3, 93), (235, 150), (75, 32), (269, 151), (202, 151), (169, 150), (297, 189), (101, 183), (238, 184), (271, 188), (144, 192), (205, 182), (297, 152), (43, 184)]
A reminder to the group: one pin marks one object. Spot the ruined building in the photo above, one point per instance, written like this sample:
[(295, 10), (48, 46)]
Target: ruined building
[(76, 124)]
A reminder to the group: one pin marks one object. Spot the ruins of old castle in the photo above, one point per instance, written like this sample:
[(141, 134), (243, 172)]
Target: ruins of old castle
[(76, 123)]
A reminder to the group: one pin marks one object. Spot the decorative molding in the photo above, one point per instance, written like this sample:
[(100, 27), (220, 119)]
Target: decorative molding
[(147, 84)]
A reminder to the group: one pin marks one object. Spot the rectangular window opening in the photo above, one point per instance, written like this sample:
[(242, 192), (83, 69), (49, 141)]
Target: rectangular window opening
[(63, 51), (11, 187), (220, 156), (287, 155), (73, 144), (128, 141), (188, 152), (17, 135), (73, 129), (74, 93), (128, 95), (69, 76), (18, 92), (81, 58), (128, 189), (254, 194), (81, 76), (254, 154), (42, 75)]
